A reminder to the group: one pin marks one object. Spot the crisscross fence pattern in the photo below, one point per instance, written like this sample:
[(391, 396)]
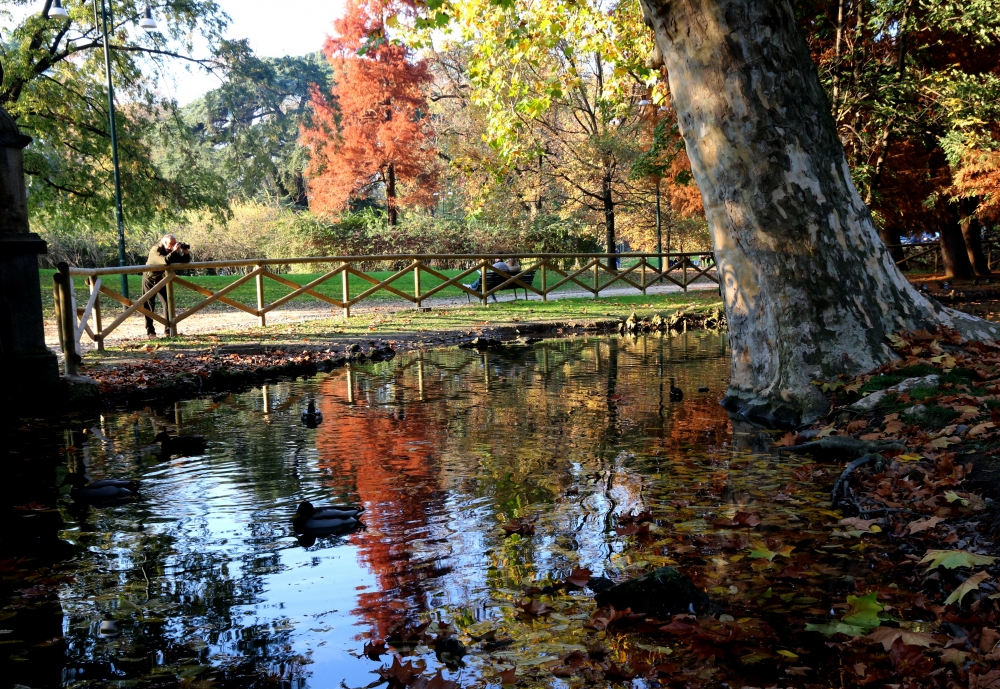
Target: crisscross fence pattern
[(592, 273)]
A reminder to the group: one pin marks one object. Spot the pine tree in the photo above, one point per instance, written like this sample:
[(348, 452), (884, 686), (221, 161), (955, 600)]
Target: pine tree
[(372, 132)]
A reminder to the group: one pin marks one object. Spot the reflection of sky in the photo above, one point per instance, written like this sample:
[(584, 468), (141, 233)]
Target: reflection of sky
[(437, 477)]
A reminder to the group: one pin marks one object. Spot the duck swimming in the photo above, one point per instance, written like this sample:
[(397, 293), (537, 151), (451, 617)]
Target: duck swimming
[(676, 394), (311, 417), (181, 445), (103, 491), (325, 520)]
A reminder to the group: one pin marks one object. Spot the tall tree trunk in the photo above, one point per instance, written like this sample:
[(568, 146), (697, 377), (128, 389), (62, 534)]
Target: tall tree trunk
[(972, 232), (609, 215), (390, 196), (890, 237), (953, 250), (811, 292)]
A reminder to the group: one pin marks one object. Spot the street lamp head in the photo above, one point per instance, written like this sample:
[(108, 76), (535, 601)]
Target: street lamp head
[(147, 22), (57, 10)]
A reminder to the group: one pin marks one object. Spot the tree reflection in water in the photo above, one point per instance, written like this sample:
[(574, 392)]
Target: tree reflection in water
[(206, 581)]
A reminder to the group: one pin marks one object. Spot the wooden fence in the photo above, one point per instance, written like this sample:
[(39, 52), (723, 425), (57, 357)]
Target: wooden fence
[(591, 273), (926, 256)]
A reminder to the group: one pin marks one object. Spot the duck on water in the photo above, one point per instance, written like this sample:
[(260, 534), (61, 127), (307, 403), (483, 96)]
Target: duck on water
[(106, 491), (322, 521)]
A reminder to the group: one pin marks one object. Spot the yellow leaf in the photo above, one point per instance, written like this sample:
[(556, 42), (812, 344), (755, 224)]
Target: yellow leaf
[(909, 458), (787, 654), (970, 584)]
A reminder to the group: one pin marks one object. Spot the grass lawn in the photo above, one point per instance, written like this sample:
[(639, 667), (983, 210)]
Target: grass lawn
[(406, 324), (247, 293)]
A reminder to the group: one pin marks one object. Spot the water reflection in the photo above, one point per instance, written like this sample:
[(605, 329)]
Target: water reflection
[(204, 578)]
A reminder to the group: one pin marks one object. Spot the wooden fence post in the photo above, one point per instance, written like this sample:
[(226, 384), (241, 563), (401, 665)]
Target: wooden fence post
[(416, 283), (346, 289), (643, 277), (261, 317), (93, 283), (171, 309), (482, 284), (597, 267), (545, 291), (685, 278), (67, 320)]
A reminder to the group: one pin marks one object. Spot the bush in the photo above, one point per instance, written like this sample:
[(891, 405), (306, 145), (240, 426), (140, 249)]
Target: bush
[(266, 231)]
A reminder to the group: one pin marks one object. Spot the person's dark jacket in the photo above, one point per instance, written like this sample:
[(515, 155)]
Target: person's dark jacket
[(159, 256)]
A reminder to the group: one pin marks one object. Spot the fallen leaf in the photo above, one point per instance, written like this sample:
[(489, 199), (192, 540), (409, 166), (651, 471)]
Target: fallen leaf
[(579, 577), (887, 637), (950, 559), (923, 525), (859, 523), (523, 526), (967, 586)]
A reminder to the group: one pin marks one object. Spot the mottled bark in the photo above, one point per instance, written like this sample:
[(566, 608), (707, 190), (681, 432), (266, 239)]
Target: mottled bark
[(811, 291)]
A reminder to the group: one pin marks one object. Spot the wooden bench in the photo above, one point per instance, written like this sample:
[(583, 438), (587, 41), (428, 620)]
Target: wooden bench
[(494, 280)]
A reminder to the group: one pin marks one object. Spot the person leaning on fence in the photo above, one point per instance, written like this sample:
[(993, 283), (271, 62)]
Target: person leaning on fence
[(168, 252), (509, 267)]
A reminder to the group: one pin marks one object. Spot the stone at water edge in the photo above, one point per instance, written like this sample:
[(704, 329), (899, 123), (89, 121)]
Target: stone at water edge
[(662, 592)]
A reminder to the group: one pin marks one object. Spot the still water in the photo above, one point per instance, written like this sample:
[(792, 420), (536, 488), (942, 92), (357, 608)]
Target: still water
[(203, 581)]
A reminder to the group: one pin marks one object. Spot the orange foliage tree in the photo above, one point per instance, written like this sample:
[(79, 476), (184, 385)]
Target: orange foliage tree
[(372, 130)]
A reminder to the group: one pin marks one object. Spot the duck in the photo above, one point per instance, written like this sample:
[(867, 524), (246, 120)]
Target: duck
[(676, 394), (182, 445), (311, 417), (325, 520), (102, 491)]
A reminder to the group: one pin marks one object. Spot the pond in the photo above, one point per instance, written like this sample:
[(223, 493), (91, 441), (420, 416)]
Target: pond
[(202, 581)]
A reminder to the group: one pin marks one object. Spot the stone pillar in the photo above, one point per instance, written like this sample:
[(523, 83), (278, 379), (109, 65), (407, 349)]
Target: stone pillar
[(30, 368)]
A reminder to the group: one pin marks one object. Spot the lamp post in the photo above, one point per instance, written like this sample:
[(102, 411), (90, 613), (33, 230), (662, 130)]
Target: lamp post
[(643, 104), (149, 24)]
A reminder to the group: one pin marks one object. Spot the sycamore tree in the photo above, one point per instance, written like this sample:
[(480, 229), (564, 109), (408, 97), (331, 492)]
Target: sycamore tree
[(810, 290), (53, 85), (371, 134)]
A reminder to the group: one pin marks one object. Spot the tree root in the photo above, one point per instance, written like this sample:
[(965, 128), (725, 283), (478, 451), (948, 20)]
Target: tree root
[(838, 495), (842, 445)]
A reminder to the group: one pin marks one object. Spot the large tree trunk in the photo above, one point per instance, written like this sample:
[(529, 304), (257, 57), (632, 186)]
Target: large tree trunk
[(811, 292), (972, 233), (954, 254)]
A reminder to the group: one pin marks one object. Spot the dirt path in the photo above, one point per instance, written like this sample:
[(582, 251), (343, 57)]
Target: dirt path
[(213, 320)]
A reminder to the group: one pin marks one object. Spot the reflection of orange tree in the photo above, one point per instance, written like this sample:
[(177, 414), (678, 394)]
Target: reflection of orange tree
[(391, 458)]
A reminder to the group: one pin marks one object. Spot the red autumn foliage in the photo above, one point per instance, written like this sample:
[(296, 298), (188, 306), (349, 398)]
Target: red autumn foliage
[(373, 129)]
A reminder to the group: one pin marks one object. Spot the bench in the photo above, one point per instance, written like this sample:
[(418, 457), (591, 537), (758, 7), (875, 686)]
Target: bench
[(494, 280)]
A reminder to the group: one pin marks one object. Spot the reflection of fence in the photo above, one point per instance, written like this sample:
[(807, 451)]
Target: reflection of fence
[(926, 256), (591, 273)]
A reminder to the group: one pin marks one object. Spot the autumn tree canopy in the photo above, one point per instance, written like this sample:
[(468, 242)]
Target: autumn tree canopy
[(372, 131)]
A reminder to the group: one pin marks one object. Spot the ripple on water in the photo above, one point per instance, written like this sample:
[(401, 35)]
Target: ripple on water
[(441, 448)]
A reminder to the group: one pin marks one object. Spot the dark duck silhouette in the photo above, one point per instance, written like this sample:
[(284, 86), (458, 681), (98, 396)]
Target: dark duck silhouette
[(325, 521), (676, 394), (312, 417), (106, 491), (181, 445)]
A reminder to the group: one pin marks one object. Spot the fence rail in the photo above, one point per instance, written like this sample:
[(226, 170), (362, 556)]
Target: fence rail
[(590, 272), (926, 256)]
